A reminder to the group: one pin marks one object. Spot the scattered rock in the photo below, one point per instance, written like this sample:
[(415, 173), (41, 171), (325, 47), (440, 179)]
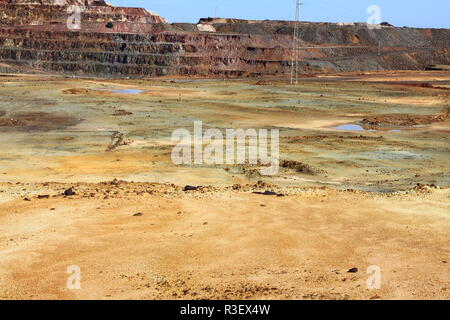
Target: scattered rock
[(69, 192), (402, 120), (45, 196), (300, 167), (122, 112), (26, 199), (138, 214), (261, 184), (11, 122), (266, 193), (118, 140), (76, 91), (426, 188), (190, 188), (115, 182), (237, 187), (353, 270)]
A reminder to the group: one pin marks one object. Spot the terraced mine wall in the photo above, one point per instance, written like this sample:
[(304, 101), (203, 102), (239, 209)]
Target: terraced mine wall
[(131, 42)]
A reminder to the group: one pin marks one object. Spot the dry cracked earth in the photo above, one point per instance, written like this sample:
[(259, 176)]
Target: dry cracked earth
[(86, 179)]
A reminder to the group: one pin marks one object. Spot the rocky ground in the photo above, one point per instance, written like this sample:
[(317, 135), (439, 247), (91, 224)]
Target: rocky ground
[(86, 179), (149, 241)]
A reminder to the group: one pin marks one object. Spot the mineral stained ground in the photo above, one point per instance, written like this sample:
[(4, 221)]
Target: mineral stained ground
[(364, 176)]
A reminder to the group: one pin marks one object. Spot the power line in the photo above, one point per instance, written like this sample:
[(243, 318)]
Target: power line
[(296, 44)]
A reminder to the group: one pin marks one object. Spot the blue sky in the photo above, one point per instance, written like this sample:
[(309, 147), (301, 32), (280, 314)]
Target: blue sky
[(415, 13)]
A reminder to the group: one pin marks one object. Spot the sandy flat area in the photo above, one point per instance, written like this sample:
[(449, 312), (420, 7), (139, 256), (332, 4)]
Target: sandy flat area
[(217, 244)]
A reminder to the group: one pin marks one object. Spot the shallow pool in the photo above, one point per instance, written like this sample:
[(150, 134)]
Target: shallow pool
[(352, 127), (122, 91)]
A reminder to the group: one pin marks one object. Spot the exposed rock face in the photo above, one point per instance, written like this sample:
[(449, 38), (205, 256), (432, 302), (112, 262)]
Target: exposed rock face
[(112, 41), (59, 2), (93, 18)]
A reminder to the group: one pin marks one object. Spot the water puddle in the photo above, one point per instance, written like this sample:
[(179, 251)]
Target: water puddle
[(121, 91), (351, 127), (357, 127)]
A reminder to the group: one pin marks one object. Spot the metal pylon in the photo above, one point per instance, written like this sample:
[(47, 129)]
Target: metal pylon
[(296, 45)]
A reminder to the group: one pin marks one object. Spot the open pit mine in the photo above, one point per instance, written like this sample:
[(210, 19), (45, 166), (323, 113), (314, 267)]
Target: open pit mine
[(112, 41), (95, 100)]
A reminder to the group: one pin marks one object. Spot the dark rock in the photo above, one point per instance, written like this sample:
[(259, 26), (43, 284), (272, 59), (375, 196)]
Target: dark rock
[(122, 112), (138, 214), (353, 270), (190, 188), (266, 193), (69, 192), (300, 167), (45, 196), (115, 182)]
